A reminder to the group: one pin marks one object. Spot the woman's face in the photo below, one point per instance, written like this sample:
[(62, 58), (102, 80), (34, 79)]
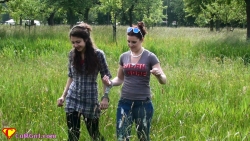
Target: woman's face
[(78, 43), (134, 43)]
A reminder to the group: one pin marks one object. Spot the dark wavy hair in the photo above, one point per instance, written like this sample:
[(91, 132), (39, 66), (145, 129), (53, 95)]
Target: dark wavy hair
[(90, 57), (142, 28)]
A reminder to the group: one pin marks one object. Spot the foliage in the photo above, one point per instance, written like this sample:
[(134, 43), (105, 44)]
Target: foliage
[(128, 12), (228, 11), (207, 90), (177, 7), (153, 11), (1, 7), (223, 11), (25, 9), (149, 11), (111, 6)]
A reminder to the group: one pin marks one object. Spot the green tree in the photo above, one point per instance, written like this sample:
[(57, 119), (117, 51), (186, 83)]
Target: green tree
[(72, 11), (148, 11), (25, 9), (1, 8), (52, 10), (226, 12), (195, 8), (3, 15), (113, 7), (151, 11), (75, 9), (248, 18), (3, 1), (14, 8), (176, 12)]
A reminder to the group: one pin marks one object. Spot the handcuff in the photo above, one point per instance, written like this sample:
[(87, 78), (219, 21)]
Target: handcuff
[(107, 89)]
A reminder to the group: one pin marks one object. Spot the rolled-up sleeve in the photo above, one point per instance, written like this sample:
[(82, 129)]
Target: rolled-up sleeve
[(104, 70), (69, 64)]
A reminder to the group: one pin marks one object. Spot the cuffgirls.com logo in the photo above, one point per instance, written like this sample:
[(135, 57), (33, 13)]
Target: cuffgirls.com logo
[(10, 132)]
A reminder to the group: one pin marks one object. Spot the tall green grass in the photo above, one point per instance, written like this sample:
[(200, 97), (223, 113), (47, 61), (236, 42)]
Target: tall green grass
[(206, 98)]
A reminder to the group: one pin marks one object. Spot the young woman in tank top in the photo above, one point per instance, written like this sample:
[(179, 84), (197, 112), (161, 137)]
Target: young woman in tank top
[(135, 67)]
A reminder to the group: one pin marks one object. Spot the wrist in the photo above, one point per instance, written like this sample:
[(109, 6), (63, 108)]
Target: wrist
[(111, 83), (63, 95), (159, 76), (105, 96)]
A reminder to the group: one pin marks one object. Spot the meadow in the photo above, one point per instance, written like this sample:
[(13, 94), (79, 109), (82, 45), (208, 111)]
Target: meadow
[(207, 97)]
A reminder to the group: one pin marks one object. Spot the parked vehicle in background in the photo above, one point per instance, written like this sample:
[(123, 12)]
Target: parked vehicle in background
[(26, 22), (10, 22)]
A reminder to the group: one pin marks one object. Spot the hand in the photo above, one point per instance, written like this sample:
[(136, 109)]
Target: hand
[(156, 72), (60, 101), (106, 80), (104, 104)]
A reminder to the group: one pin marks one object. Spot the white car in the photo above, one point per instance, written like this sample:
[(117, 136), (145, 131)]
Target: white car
[(35, 21), (10, 22)]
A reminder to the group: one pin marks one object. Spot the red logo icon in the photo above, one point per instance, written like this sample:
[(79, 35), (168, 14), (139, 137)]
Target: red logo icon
[(9, 132)]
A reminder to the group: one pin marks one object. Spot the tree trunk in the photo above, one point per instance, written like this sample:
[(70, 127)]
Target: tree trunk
[(211, 24), (124, 18), (114, 29), (20, 21), (131, 15), (70, 17), (248, 18), (51, 19), (217, 24), (86, 15), (32, 22)]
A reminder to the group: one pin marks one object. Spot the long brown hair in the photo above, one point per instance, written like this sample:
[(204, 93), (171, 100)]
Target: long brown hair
[(90, 58)]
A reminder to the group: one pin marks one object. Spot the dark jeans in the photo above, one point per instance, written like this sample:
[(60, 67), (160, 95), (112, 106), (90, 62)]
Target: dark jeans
[(138, 111), (73, 122)]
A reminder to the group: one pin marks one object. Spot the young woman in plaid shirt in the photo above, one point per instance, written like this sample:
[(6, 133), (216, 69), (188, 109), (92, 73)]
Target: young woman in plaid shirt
[(80, 93)]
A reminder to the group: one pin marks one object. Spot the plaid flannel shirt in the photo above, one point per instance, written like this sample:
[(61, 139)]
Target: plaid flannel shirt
[(82, 95)]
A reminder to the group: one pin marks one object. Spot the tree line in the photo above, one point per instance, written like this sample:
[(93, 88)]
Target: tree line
[(214, 14)]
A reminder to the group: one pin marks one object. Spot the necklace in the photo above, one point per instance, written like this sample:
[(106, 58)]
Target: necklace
[(136, 56)]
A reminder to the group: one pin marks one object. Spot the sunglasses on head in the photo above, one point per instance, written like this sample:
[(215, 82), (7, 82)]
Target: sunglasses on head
[(134, 29)]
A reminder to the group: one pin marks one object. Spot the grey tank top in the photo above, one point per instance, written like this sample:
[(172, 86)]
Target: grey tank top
[(137, 76)]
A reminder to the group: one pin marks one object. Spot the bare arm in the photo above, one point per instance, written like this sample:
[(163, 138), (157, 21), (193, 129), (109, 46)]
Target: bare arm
[(69, 81), (107, 83), (159, 74), (118, 80), (104, 86), (65, 92)]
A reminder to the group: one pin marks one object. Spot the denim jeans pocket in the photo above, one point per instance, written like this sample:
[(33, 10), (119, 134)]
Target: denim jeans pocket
[(148, 100)]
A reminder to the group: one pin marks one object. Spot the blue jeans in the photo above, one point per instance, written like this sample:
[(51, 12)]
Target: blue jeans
[(138, 111)]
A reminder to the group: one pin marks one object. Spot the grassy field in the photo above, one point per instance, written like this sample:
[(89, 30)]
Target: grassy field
[(206, 99)]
